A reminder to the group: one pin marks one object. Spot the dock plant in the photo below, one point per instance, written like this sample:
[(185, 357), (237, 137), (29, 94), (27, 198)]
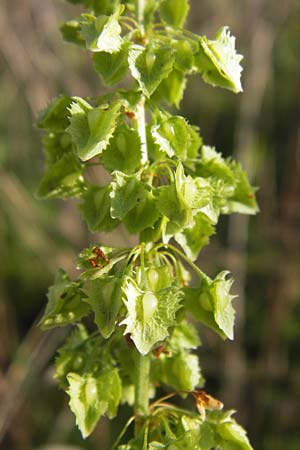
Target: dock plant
[(135, 313)]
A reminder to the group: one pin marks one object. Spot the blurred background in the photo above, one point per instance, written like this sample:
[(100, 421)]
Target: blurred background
[(259, 373)]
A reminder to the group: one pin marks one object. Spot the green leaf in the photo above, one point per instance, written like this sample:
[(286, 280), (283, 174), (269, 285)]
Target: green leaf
[(65, 302), (56, 145), (185, 51), (181, 200), (102, 33), (71, 32), (104, 296), (149, 314), (174, 12), (212, 163), (127, 191), (95, 208), (193, 238), (243, 199), (181, 371), (112, 67), (233, 190), (56, 116), (218, 61), (172, 135), (211, 304), (92, 129), (172, 88), (177, 367), (228, 433), (124, 151), (62, 179), (73, 355), (184, 337), (98, 272), (150, 65), (92, 396), (143, 215)]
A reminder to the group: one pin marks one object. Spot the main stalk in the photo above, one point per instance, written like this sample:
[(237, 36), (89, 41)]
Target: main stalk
[(142, 370)]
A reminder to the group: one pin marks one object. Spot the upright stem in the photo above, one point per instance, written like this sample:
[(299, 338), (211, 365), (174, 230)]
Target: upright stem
[(141, 119), (141, 125), (141, 402)]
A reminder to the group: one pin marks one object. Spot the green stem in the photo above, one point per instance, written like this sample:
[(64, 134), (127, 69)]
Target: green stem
[(142, 374), (141, 403), (196, 269)]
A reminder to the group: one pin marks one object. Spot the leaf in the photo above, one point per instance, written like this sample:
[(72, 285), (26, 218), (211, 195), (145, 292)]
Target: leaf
[(218, 61), (211, 304), (102, 33), (56, 145), (212, 163), (184, 337), (174, 12), (181, 200), (127, 191), (112, 67), (149, 314), (104, 296), (98, 272), (71, 32), (62, 179), (55, 116), (172, 88), (150, 65), (184, 57), (181, 371), (172, 136), (143, 215), (72, 355), (92, 396), (95, 208), (232, 188), (193, 238), (124, 151), (65, 302), (91, 130), (228, 433), (243, 199)]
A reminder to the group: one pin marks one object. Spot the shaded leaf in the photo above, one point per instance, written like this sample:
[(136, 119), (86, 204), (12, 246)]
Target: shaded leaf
[(104, 297), (95, 208), (65, 302), (174, 12), (62, 178), (112, 67), (124, 151)]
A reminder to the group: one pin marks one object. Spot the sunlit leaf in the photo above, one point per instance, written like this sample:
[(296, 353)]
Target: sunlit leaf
[(102, 33), (92, 396), (149, 314), (91, 129), (150, 65), (218, 61)]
